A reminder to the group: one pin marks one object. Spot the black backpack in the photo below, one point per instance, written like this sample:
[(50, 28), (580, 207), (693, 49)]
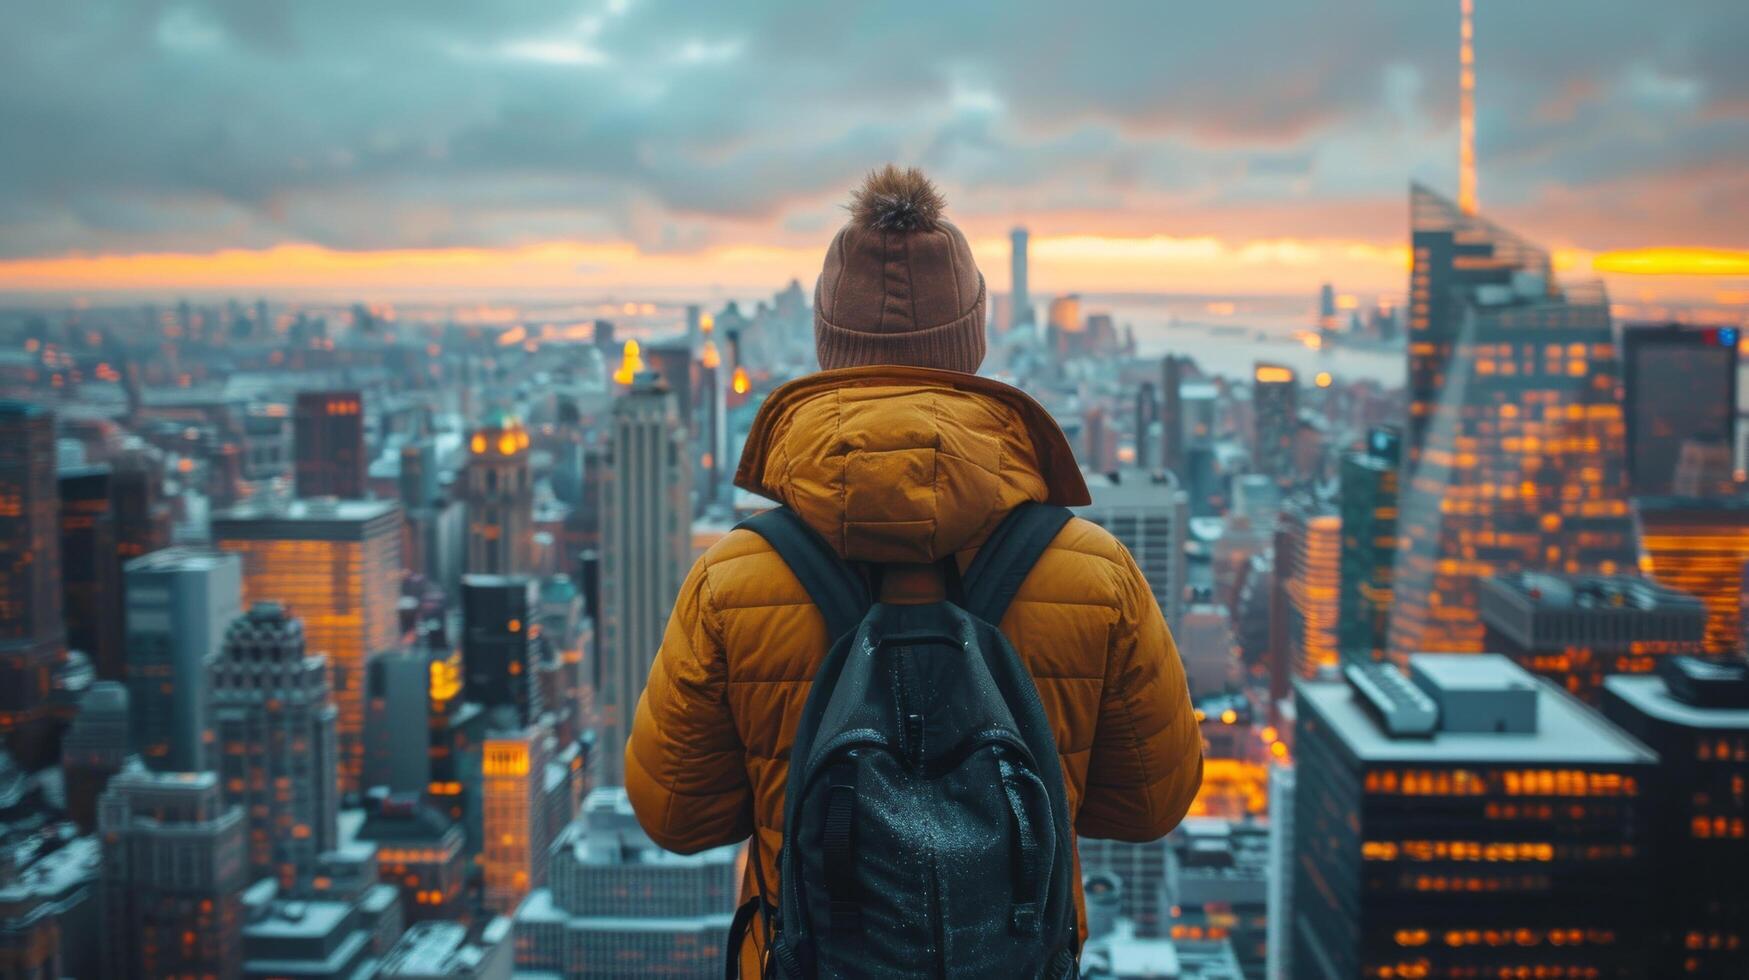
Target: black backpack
[(926, 830)]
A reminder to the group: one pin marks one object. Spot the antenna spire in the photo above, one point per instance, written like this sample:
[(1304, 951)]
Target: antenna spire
[(1467, 110)]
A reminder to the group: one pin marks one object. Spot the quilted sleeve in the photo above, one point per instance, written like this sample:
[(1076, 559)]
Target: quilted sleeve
[(685, 767), (1146, 764)]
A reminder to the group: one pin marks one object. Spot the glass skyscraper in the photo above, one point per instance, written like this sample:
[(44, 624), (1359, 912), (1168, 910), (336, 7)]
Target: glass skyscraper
[(1516, 438)]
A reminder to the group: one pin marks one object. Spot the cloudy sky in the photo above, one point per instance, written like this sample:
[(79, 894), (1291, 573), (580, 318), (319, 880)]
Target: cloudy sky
[(400, 146)]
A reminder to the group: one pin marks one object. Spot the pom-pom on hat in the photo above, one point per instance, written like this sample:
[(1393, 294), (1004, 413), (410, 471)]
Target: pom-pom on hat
[(899, 285)]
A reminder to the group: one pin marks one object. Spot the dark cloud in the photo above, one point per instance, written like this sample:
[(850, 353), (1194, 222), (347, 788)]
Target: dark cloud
[(198, 124)]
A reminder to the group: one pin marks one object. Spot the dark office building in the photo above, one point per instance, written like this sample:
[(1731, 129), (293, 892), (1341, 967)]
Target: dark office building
[(1680, 385), (674, 362), (32, 638), (1147, 413), (500, 643), (1574, 629), (91, 590), (1695, 714), (1368, 504), (1172, 422), (1275, 415), (328, 437), (1467, 820), (142, 516), (1517, 447)]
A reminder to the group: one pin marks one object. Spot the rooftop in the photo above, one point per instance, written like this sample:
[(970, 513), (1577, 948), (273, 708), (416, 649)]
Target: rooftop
[(1565, 732), (1547, 591), (181, 558), (1651, 695), (318, 509)]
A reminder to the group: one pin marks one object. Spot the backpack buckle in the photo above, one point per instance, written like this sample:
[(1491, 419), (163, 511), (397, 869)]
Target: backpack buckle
[(1023, 918)]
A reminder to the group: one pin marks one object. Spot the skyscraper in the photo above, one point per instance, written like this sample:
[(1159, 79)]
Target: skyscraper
[(1141, 428), (1467, 820), (517, 822), (1695, 714), (1699, 545), (1516, 448), (647, 549), (32, 637), (91, 590), (173, 877), (180, 601), (1368, 501), (617, 905), (501, 644), (336, 566), (1308, 574), (397, 720), (95, 749), (1020, 300), (500, 499), (1172, 421), (1679, 384), (276, 745), (1574, 629), (1275, 415), (328, 437), (1150, 515)]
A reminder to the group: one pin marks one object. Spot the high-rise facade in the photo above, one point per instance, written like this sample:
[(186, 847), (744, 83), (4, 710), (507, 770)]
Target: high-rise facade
[(397, 720), (501, 644), (91, 591), (95, 749), (1150, 515), (519, 818), (1308, 573), (1469, 819), (647, 532), (1516, 441), (1172, 421), (1700, 546), (1368, 502), (1679, 385), (1275, 415), (499, 494), (1575, 629), (173, 876), (180, 601), (1695, 714), (336, 566), (32, 636), (1019, 299), (328, 437), (618, 907), (276, 749)]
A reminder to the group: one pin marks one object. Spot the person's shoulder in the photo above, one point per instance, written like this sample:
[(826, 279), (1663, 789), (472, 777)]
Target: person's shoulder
[(743, 569), (1083, 537)]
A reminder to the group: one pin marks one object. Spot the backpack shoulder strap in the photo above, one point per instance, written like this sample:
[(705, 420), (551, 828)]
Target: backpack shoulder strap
[(839, 592), (1008, 555)]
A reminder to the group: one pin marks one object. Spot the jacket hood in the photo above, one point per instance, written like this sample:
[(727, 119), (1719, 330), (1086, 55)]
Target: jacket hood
[(906, 464)]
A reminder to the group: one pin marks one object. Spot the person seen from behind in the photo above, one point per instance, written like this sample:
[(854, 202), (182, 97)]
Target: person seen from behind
[(848, 641)]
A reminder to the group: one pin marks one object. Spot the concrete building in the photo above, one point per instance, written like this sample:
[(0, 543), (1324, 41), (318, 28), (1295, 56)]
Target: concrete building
[(32, 635), (397, 720), (95, 748), (1468, 777), (444, 951), (1575, 629), (180, 601), (174, 871), (617, 907), (417, 850), (311, 939), (48, 904), (1150, 515), (328, 440), (647, 528), (1695, 714), (499, 494), (276, 746)]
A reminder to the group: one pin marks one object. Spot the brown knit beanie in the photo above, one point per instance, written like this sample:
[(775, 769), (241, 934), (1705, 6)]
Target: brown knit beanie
[(899, 285)]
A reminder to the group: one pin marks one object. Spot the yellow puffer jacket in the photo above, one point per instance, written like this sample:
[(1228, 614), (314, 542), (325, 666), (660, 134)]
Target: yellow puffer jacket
[(905, 466)]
